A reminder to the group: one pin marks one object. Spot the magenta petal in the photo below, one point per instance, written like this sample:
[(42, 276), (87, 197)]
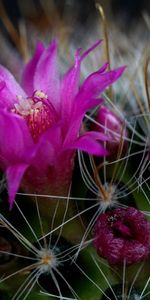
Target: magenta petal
[(46, 75), (88, 143), (16, 144), (103, 68), (70, 83), (69, 87), (9, 89), (97, 43), (88, 104), (84, 100), (71, 104), (97, 135), (77, 117), (14, 174), (28, 73), (97, 82), (49, 148)]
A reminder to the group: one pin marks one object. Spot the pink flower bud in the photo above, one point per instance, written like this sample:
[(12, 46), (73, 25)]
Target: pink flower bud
[(114, 127), (122, 235)]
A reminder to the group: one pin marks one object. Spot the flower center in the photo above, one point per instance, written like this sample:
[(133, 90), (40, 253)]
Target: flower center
[(38, 112)]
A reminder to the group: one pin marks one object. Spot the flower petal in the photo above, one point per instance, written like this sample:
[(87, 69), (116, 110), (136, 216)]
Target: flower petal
[(9, 88), (97, 82), (88, 143), (69, 87), (77, 117), (14, 175), (28, 73), (48, 149), (97, 135), (16, 144), (70, 83), (46, 75), (97, 43), (85, 99)]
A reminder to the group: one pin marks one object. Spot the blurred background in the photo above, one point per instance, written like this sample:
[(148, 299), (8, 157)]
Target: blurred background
[(73, 15), (80, 12), (76, 23)]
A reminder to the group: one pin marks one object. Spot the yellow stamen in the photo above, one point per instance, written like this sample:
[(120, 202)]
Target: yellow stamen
[(41, 94)]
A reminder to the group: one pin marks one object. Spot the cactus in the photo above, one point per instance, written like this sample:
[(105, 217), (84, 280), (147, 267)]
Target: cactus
[(74, 161)]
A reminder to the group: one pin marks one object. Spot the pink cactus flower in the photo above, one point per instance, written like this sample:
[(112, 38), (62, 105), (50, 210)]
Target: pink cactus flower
[(122, 234), (40, 121), (114, 127)]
